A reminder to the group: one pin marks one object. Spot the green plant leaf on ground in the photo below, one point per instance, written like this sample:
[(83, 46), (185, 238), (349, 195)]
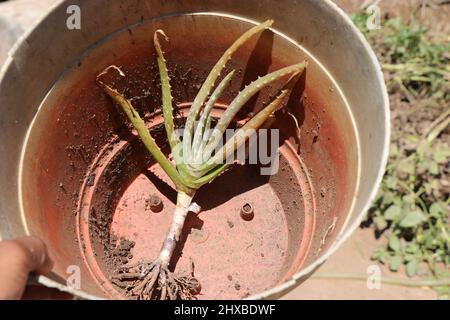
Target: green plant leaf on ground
[(394, 243), (395, 264), (412, 219), (412, 267), (412, 209), (392, 212)]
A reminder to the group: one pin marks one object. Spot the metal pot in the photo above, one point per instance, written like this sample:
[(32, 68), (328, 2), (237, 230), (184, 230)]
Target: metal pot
[(56, 127)]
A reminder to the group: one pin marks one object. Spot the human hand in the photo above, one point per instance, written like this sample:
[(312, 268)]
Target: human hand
[(17, 259)]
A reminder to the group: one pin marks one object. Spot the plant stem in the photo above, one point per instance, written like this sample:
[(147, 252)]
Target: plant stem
[(385, 280), (438, 130), (436, 122), (184, 201), (416, 195)]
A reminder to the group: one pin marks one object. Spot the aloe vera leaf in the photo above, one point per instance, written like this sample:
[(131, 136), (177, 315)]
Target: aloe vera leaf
[(209, 176), (243, 97), (244, 133), (205, 137), (147, 138), (207, 128), (262, 118), (209, 83), (167, 99), (241, 136), (167, 107), (199, 132)]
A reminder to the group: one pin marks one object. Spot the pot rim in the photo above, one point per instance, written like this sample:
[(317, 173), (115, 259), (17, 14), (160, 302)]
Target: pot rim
[(344, 234)]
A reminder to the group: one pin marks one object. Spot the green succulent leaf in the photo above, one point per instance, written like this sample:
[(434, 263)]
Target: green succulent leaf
[(209, 83), (244, 96), (146, 137), (186, 174)]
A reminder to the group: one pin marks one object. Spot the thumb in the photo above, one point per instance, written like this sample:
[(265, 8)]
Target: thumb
[(17, 259)]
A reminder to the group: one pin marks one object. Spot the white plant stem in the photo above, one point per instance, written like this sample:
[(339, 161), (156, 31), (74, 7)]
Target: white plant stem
[(184, 201)]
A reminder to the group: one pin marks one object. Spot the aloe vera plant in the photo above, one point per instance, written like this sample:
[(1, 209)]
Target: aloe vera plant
[(196, 160)]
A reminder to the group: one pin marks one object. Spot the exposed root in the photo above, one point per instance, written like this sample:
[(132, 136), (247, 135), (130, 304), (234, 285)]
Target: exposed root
[(153, 281)]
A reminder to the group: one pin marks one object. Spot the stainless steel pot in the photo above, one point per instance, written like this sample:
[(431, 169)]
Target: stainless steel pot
[(323, 32)]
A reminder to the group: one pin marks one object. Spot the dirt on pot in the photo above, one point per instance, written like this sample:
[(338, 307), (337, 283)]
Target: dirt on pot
[(104, 177)]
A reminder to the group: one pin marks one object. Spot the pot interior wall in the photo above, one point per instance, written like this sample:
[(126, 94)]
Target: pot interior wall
[(86, 178)]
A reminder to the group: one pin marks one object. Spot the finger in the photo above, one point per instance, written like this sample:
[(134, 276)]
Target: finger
[(38, 249), (17, 259)]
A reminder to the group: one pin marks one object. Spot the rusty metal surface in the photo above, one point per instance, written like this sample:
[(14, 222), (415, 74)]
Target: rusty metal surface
[(74, 125)]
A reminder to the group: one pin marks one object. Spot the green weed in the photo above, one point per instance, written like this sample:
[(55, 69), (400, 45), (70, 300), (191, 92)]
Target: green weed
[(412, 209)]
